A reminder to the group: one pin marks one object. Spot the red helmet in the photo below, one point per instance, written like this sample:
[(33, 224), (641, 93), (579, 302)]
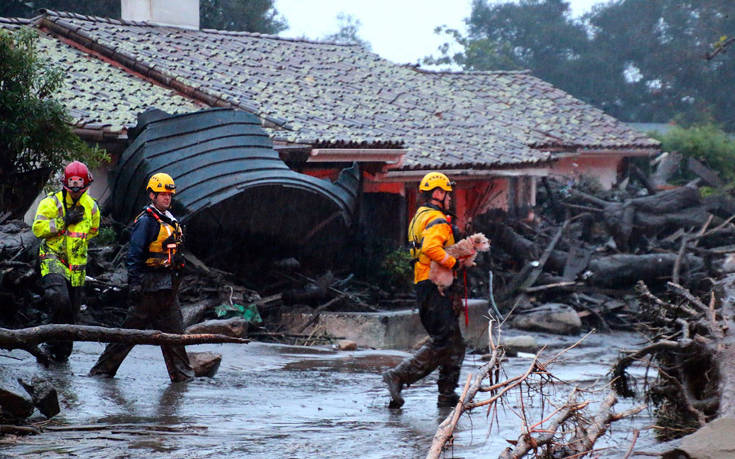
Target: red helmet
[(77, 169)]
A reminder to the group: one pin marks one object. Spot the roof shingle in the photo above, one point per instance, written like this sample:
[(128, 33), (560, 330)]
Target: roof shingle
[(330, 94)]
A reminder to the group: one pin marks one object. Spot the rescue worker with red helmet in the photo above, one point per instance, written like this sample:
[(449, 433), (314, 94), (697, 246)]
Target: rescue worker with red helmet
[(153, 263), (65, 221), (429, 232)]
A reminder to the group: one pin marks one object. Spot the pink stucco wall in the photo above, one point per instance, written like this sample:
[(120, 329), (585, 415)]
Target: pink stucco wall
[(603, 168)]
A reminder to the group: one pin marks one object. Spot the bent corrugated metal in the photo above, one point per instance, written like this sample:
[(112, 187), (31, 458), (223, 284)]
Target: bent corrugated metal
[(223, 158)]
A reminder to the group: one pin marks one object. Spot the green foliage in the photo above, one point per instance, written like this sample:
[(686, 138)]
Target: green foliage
[(396, 271), (36, 136), (639, 60), (246, 15), (29, 8), (706, 143), (348, 33), (107, 236)]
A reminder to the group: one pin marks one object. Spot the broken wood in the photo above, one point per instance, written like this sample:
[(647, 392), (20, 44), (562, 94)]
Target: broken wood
[(627, 269), (526, 442), (315, 314), (533, 275), (25, 337), (446, 428), (236, 327)]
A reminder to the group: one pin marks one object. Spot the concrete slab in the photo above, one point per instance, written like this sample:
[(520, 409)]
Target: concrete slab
[(388, 330)]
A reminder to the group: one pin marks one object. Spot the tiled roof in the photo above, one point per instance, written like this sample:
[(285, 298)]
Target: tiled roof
[(548, 116), (329, 94), (99, 95), (325, 92)]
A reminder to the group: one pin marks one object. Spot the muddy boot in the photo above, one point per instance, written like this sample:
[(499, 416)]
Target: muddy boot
[(449, 400), (394, 387)]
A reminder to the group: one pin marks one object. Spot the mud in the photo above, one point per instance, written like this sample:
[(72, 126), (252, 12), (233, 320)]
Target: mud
[(272, 400)]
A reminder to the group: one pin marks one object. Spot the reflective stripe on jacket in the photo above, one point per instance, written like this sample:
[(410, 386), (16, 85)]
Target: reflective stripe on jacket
[(64, 249), (162, 249), (428, 233), (146, 249)]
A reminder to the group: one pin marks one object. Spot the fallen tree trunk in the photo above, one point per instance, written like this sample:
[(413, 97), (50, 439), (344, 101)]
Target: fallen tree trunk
[(725, 354), (24, 338), (446, 428), (621, 217), (624, 269)]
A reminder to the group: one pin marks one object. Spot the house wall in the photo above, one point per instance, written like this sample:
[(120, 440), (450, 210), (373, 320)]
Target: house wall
[(471, 198), (603, 168)]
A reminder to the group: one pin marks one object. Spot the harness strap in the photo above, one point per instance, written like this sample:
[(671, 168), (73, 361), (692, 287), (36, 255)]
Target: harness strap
[(466, 305)]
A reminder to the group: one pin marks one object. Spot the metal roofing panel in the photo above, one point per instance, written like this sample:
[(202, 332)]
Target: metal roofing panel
[(227, 172)]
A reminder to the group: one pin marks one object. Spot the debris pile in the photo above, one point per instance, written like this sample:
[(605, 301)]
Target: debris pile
[(587, 252)]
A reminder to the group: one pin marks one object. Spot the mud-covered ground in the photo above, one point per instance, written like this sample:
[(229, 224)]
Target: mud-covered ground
[(271, 400)]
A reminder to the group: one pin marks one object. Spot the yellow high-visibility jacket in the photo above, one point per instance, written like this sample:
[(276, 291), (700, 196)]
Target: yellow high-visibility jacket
[(428, 233), (64, 250)]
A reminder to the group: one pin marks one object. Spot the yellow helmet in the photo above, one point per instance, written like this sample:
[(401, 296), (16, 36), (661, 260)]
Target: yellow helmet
[(161, 183), (435, 180)]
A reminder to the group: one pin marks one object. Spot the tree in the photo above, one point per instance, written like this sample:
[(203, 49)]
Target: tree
[(248, 15), (29, 8), (532, 34), (706, 143), (36, 136), (639, 60), (348, 33), (656, 51)]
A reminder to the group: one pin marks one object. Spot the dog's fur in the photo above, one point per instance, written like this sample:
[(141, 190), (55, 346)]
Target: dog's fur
[(465, 251)]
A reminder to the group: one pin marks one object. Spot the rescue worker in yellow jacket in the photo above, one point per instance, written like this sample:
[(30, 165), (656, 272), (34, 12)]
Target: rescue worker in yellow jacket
[(153, 263), (429, 232), (65, 221)]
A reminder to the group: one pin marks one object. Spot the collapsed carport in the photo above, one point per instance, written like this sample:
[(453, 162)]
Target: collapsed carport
[(239, 202)]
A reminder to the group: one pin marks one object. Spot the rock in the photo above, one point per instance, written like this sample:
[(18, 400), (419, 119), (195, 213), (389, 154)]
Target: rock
[(346, 345), (14, 405), (204, 364), (552, 318), (236, 327), (44, 396), (713, 441), (515, 344)]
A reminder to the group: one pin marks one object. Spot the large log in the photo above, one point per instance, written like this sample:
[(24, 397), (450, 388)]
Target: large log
[(725, 354), (625, 269), (25, 338), (621, 217), (685, 218)]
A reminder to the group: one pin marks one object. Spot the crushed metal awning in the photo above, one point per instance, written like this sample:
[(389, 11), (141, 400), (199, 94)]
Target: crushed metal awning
[(234, 195)]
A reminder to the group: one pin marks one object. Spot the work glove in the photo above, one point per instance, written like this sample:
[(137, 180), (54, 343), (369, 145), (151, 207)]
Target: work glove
[(74, 215), (135, 295)]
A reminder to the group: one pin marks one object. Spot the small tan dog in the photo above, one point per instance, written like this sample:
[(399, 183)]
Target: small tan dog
[(465, 251)]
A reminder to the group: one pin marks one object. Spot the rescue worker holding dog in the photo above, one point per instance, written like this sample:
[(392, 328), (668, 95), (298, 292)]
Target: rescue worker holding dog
[(153, 260), (429, 232), (65, 221)]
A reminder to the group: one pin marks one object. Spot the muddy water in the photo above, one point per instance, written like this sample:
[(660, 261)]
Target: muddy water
[(280, 401)]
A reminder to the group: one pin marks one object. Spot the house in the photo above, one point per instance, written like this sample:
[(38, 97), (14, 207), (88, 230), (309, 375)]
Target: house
[(328, 105)]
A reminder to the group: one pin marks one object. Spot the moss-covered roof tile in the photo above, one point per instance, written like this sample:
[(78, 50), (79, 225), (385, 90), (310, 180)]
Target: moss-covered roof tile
[(328, 93)]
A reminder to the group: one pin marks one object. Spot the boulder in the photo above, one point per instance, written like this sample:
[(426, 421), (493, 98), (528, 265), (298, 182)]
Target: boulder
[(713, 441), (43, 394), (515, 344), (551, 318), (346, 345), (204, 364), (14, 405)]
